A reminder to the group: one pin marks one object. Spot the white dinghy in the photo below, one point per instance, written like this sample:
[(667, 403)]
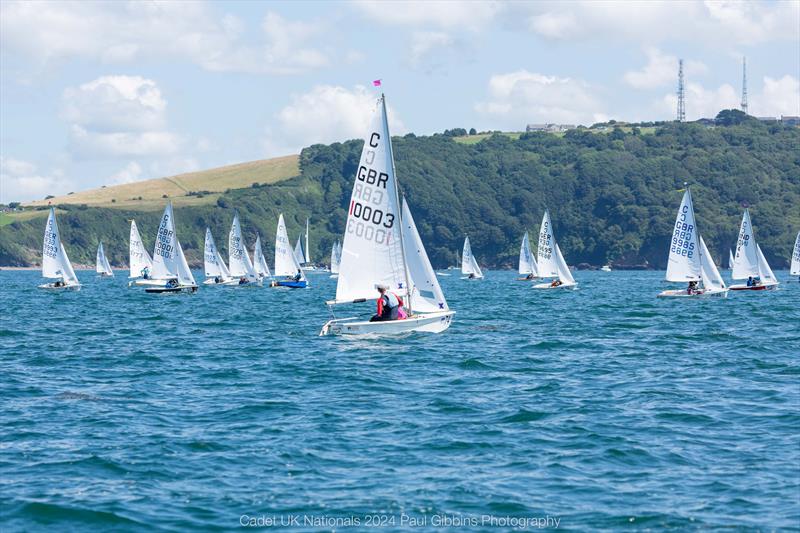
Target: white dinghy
[(689, 260), (336, 259), (382, 247), (55, 263), (527, 264), (551, 263), (794, 269), (287, 267), (305, 255), (141, 265), (730, 259), (469, 265), (239, 263), (216, 270), (259, 261), (169, 263), (102, 266), (749, 263)]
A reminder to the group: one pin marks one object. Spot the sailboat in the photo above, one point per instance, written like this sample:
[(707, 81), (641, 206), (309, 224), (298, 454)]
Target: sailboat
[(336, 259), (469, 266), (551, 262), (527, 264), (55, 263), (298, 251), (794, 269), (748, 261), (730, 259), (169, 262), (238, 261), (216, 270), (305, 262), (259, 261), (102, 267), (287, 265), (141, 265), (382, 247)]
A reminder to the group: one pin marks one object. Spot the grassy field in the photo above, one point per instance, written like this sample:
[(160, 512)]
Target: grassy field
[(150, 194), (514, 135)]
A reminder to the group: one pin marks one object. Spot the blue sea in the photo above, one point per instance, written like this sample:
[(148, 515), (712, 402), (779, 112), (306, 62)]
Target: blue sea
[(602, 408)]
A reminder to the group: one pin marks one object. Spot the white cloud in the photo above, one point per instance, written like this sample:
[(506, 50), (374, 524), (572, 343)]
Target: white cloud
[(325, 114), (661, 69), (128, 174), (521, 97), (449, 14), (21, 181), (98, 145), (778, 97), (115, 32), (422, 42)]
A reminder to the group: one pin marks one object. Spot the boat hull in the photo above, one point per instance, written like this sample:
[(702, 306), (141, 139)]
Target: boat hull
[(681, 293), (302, 284), (549, 285), (424, 322), (148, 283), (170, 290), (52, 287), (761, 287)]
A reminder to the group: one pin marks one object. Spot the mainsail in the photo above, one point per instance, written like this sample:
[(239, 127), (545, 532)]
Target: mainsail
[(372, 252), (684, 252), (795, 268), (139, 257), (238, 260), (469, 265), (545, 251), (745, 261), (308, 249), (730, 259), (711, 277), (165, 253), (55, 263), (214, 264), (527, 264), (426, 294), (259, 261), (286, 263), (101, 265)]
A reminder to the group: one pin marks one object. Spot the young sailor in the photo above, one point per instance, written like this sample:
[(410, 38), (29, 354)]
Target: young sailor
[(389, 305)]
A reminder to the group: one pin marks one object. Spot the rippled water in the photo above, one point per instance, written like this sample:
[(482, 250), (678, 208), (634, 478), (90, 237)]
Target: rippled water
[(602, 408)]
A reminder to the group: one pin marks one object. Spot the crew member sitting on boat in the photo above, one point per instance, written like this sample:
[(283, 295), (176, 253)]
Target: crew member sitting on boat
[(471, 275), (530, 276), (146, 273), (242, 280), (298, 276), (388, 305), (753, 281), (172, 283), (217, 279), (692, 289), (556, 283), (59, 283)]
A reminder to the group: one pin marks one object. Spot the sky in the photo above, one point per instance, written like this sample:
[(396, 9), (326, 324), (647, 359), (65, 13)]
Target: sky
[(101, 93)]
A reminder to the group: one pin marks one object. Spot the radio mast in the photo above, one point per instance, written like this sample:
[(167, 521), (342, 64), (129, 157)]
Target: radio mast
[(681, 94), (744, 85)]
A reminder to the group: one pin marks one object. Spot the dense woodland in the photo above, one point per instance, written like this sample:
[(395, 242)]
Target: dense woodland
[(612, 196)]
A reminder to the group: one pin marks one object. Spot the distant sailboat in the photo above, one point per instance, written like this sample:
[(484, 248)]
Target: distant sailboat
[(748, 261), (306, 260), (141, 265), (216, 270), (259, 261), (336, 259), (469, 266), (55, 263), (551, 262), (298, 251), (689, 260), (238, 260), (794, 270), (527, 264), (169, 262), (730, 259), (382, 247), (287, 266), (102, 266)]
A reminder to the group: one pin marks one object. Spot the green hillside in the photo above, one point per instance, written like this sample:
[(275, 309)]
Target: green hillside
[(612, 197)]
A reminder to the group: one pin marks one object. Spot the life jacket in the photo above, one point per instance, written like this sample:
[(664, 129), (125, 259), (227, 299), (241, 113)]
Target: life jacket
[(389, 305)]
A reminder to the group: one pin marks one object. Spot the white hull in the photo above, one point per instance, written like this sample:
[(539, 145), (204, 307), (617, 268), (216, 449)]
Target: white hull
[(426, 322), (759, 287), (104, 275), (147, 283), (681, 293), (475, 277), (549, 285), (52, 287), (172, 290), (606, 268)]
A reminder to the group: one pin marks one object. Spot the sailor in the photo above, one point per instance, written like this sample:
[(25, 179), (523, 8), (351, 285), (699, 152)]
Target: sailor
[(217, 279), (388, 305), (530, 277), (298, 276), (692, 289), (146, 273), (59, 283), (242, 280), (750, 281), (471, 275), (556, 283)]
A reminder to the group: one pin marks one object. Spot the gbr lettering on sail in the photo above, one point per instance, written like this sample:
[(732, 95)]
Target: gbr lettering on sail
[(371, 215)]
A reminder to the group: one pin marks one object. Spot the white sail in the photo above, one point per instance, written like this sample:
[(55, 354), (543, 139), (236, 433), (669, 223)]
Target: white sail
[(709, 273), (372, 252), (184, 273), (426, 293), (213, 263), (527, 264), (238, 261), (336, 257), (55, 263), (308, 250), (298, 251), (102, 265), (564, 274), (259, 261), (165, 253), (139, 257), (547, 242), (684, 251), (794, 270), (469, 265), (764, 271), (745, 260), (730, 259), (286, 263)]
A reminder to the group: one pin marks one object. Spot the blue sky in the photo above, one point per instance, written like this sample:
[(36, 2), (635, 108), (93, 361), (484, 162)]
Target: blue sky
[(97, 93)]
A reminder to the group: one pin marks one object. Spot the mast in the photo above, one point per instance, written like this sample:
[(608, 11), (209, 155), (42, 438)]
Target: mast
[(308, 253), (397, 199)]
